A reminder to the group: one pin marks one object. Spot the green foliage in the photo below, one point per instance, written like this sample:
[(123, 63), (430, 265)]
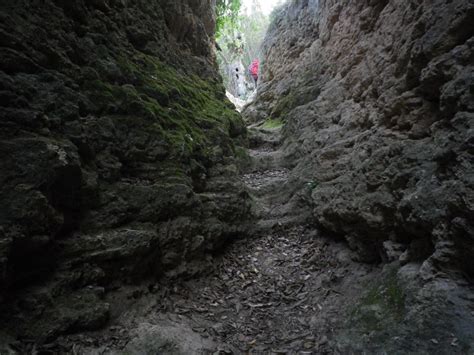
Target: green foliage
[(240, 41), (253, 28), (227, 14)]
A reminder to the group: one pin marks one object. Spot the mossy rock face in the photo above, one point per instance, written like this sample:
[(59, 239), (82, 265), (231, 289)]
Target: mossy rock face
[(284, 105), (115, 118), (185, 110), (384, 302), (294, 98), (378, 316), (402, 313)]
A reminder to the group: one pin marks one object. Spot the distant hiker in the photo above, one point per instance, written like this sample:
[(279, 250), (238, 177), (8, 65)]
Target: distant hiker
[(253, 70)]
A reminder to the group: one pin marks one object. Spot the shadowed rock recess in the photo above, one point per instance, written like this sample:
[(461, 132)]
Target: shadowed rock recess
[(125, 173)]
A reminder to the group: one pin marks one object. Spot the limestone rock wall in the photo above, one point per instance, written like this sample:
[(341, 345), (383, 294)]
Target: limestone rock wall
[(377, 96), (378, 100), (118, 153)]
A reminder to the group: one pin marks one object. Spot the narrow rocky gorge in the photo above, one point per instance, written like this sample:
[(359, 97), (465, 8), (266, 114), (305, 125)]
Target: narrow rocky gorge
[(142, 214), (267, 294)]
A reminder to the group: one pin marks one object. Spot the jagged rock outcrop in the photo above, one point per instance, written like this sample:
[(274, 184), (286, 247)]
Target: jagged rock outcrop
[(118, 150), (379, 108), (377, 96)]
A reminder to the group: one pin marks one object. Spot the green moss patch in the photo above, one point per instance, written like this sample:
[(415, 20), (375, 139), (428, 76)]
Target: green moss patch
[(189, 113), (383, 303), (272, 124)]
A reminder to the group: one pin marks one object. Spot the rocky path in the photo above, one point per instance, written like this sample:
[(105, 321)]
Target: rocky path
[(265, 178), (280, 292)]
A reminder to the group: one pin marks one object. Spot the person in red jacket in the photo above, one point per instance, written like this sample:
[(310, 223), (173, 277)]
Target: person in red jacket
[(253, 70)]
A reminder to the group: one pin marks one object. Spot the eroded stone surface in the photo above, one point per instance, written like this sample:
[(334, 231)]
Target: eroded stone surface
[(377, 100), (118, 155), (364, 88)]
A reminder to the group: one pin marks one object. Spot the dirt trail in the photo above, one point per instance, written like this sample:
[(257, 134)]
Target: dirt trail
[(280, 292)]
